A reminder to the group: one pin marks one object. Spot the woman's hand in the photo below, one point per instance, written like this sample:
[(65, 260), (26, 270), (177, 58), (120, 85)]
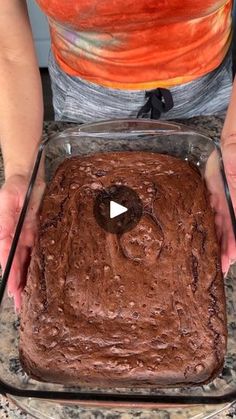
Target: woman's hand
[(229, 159), (12, 196), (218, 201)]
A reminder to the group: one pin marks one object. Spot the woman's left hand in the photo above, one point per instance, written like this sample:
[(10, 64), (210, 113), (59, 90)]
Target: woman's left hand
[(218, 200), (229, 159)]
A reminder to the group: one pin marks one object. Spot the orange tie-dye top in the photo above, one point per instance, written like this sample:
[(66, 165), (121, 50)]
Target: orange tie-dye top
[(139, 44)]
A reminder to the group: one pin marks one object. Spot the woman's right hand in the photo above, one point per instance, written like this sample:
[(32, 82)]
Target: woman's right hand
[(12, 196)]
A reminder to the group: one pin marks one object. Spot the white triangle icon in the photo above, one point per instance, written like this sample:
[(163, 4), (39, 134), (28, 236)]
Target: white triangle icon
[(116, 209)]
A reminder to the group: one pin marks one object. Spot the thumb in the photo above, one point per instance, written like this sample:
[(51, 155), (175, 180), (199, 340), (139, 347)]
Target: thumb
[(229, 159)]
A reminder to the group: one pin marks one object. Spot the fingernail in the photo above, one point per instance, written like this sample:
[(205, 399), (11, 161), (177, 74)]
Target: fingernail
[(10, 295), (18, 278)]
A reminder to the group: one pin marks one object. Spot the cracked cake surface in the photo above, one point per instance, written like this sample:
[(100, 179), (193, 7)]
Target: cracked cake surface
[(146, 307)]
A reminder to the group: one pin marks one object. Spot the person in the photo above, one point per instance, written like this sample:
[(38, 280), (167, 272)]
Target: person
[(112, 59)]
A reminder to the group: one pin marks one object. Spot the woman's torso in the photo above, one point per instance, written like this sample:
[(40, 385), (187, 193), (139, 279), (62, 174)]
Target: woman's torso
[(139, 44)]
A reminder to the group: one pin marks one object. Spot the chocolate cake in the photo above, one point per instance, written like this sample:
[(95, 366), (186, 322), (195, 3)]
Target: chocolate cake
[(146, 307)]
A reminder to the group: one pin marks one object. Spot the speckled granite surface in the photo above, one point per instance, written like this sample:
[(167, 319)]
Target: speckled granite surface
[(211, 126)]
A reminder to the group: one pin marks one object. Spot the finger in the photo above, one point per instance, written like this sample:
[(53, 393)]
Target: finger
[(17, 300), (29, 230), (218, 224), (35, 199), (17, 277), (13, 282), (8, 206), (229, 157), (25, 260), (225, 262), (28, 234), (225, 265), (14, 275), (5, 246), (222, 216), (16, 287), (231, 246), (228, 245)]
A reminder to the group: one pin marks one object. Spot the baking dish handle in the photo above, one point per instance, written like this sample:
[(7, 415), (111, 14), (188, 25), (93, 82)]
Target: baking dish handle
[(130, 126), (119, 127)]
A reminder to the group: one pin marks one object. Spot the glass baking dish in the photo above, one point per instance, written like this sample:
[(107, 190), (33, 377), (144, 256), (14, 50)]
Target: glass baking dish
[(119, 135)]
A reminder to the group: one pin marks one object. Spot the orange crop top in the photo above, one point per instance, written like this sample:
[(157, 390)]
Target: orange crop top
[(139, 44)]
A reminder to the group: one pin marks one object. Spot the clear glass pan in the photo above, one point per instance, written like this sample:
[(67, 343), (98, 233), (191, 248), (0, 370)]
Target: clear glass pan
[(121, 135)]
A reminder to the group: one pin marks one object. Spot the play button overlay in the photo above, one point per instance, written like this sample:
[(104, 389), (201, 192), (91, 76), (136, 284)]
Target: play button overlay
[(117, 209)]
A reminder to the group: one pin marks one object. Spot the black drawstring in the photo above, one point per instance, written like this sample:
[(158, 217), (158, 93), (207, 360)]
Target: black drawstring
[(159, 101)]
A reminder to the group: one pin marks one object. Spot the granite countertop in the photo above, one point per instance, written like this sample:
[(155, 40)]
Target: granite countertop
[(210, 126)]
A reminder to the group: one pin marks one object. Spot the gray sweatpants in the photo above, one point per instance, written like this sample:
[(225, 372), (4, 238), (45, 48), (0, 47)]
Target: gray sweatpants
[(78, 100)]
